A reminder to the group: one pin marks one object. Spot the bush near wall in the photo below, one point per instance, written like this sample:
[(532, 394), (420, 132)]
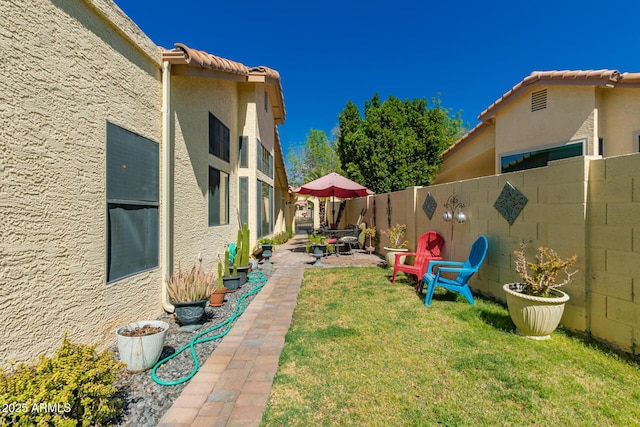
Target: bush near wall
[(74, 388)]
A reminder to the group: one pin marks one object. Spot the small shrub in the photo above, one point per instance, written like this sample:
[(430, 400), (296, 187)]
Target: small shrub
[(74, 388), (281, 238), (396, 236), (544, 271)]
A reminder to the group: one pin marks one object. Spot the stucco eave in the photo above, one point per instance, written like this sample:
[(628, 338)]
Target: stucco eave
[(189, 71)]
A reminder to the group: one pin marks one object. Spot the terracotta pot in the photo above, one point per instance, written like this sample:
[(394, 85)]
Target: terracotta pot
[(535, 317), (217, 297)]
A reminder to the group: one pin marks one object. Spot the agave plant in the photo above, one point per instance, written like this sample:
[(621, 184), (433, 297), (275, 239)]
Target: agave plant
[(193, 285)]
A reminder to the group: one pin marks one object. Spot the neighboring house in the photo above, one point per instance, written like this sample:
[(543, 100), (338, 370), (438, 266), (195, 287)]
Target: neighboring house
[(548, 116), (119, 159)]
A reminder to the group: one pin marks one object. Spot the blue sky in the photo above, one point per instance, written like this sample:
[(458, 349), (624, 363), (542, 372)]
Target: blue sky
[(329, 52)]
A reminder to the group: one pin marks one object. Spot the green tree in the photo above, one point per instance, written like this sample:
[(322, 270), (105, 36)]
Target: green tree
[(397, 143), (314, 158)]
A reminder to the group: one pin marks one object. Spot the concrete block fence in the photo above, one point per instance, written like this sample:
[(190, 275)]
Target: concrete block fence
[(588, 206)]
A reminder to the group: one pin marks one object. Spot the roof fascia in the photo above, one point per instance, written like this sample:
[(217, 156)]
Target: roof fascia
[(468, 137), (187, 71)]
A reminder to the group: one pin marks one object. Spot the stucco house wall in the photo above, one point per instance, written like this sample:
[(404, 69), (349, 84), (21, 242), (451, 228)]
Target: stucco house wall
[(569, 116), (192, 99), (475, 159), (619, 115), (59, 91)]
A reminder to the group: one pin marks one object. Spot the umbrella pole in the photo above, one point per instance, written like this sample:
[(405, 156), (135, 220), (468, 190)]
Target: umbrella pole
[(333, 209)]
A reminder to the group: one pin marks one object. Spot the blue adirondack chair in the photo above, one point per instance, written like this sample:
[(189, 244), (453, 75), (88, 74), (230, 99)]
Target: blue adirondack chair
[(464, 269)]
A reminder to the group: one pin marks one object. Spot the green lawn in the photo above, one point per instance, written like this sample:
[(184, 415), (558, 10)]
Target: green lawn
[(361, 351)]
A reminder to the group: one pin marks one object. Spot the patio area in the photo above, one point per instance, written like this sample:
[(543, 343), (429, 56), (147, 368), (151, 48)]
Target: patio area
[(232, 387)]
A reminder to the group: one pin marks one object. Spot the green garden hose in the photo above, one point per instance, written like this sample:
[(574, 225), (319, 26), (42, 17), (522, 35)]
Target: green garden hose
[(258, 279)]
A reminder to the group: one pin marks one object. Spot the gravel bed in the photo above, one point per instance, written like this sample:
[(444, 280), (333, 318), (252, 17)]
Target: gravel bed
[(146, 401)]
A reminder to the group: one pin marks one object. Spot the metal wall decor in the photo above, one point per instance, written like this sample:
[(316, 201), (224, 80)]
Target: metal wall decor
[(429, 206), (452, 205), (510, 203)]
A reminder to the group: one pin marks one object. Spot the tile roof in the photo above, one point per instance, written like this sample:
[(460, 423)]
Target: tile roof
[(605, 78), (184, 55)]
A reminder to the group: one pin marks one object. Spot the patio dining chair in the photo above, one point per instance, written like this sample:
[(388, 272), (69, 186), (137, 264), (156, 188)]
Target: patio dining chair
[(429, 248), (352, 233), (464, 269)]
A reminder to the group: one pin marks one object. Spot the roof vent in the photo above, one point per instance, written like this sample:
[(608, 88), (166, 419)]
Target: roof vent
[(539, 100)]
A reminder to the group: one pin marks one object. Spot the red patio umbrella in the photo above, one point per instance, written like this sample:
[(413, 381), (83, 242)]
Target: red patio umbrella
[(333, 185)]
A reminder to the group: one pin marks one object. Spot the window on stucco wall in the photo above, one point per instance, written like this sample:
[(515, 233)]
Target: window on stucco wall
[(539, 158), (218, 197), (265, 209), (133, 190), (265, 160), (243, 184), (243, 152), (219, 138)]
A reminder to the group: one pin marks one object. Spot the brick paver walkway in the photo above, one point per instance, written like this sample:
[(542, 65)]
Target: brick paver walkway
[(232, 387)]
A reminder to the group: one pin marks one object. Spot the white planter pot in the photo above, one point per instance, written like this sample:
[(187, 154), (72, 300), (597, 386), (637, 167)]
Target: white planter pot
[(391, 255), (535, 317), (141, 353)]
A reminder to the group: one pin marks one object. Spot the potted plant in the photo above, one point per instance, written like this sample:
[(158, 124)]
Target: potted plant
[(231, 281), (241, 260), (318, 244), (253, 263), (189, 292), (140, 343), (397, 243), (217, 296), (266, 248), (369, 234), (536, 305)]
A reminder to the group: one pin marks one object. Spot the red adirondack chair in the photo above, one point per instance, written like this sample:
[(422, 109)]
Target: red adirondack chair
[(429, 248)]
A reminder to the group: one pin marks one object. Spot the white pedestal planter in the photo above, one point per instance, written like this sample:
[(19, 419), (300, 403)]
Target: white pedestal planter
[(535, 317), (391, 255)]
